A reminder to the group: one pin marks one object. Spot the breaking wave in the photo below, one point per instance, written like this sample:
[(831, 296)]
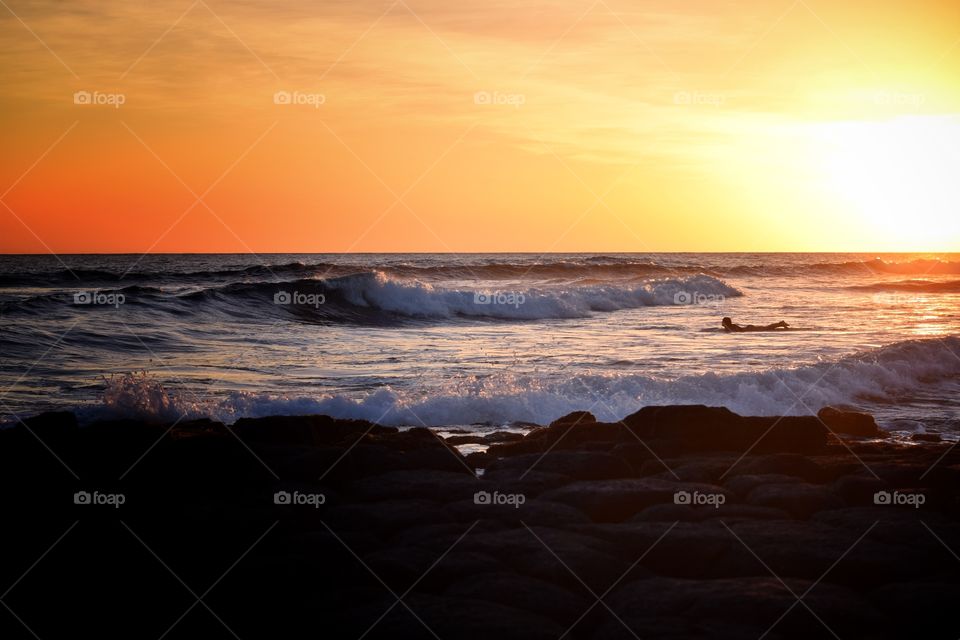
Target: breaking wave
[(869, 379)]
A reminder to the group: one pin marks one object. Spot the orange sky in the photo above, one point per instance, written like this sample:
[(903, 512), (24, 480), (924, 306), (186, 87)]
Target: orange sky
[(480, 126)]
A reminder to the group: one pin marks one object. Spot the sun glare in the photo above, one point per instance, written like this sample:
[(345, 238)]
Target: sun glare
[(900, 176)]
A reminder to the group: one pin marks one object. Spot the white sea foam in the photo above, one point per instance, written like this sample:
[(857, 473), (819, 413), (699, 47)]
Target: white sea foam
[(874, 377)]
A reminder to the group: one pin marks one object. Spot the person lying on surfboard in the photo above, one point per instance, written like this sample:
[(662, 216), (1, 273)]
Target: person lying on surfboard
[(730, 326)]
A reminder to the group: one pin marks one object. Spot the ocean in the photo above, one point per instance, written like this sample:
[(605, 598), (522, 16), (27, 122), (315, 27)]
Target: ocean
[(479, 340)]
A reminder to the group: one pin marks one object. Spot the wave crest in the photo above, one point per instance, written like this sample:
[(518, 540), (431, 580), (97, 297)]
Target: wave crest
[(375, 295)]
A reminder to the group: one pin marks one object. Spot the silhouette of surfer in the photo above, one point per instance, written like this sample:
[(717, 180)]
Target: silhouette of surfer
[(729, 325)]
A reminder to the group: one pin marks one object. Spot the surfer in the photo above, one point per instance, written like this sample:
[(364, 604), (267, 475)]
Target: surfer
[(730, 326)]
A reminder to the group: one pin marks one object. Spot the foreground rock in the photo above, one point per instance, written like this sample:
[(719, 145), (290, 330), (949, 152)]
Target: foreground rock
[(852, 423), (672, 430), (687, 522)]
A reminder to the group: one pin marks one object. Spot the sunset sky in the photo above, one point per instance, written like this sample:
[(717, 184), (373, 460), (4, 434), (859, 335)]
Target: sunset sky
[(428, 125)]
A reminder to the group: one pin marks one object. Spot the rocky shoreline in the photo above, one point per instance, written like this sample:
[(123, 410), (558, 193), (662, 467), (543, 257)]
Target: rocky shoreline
[(676, 522)]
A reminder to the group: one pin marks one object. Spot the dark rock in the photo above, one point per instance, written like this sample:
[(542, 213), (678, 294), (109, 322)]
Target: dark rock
[(897, 526), (728, 512), (798, 498), (617, 500), (787, 464), (402, 565), (582, 465), (522, 592), (502, 436), (747, 607), (811, 549), (305, 430), (520, 480), (742, 485), (530, 444), (705, 471), (439, 486), (478, 460), (926, 437), (701, 428), (54, 424), (574, 419), (852, 423), (449, 617), (858, 490), (535, 552), (385, 518), (533, 512), (637, 455), (578, 431), (920, 609), (458, 440)]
